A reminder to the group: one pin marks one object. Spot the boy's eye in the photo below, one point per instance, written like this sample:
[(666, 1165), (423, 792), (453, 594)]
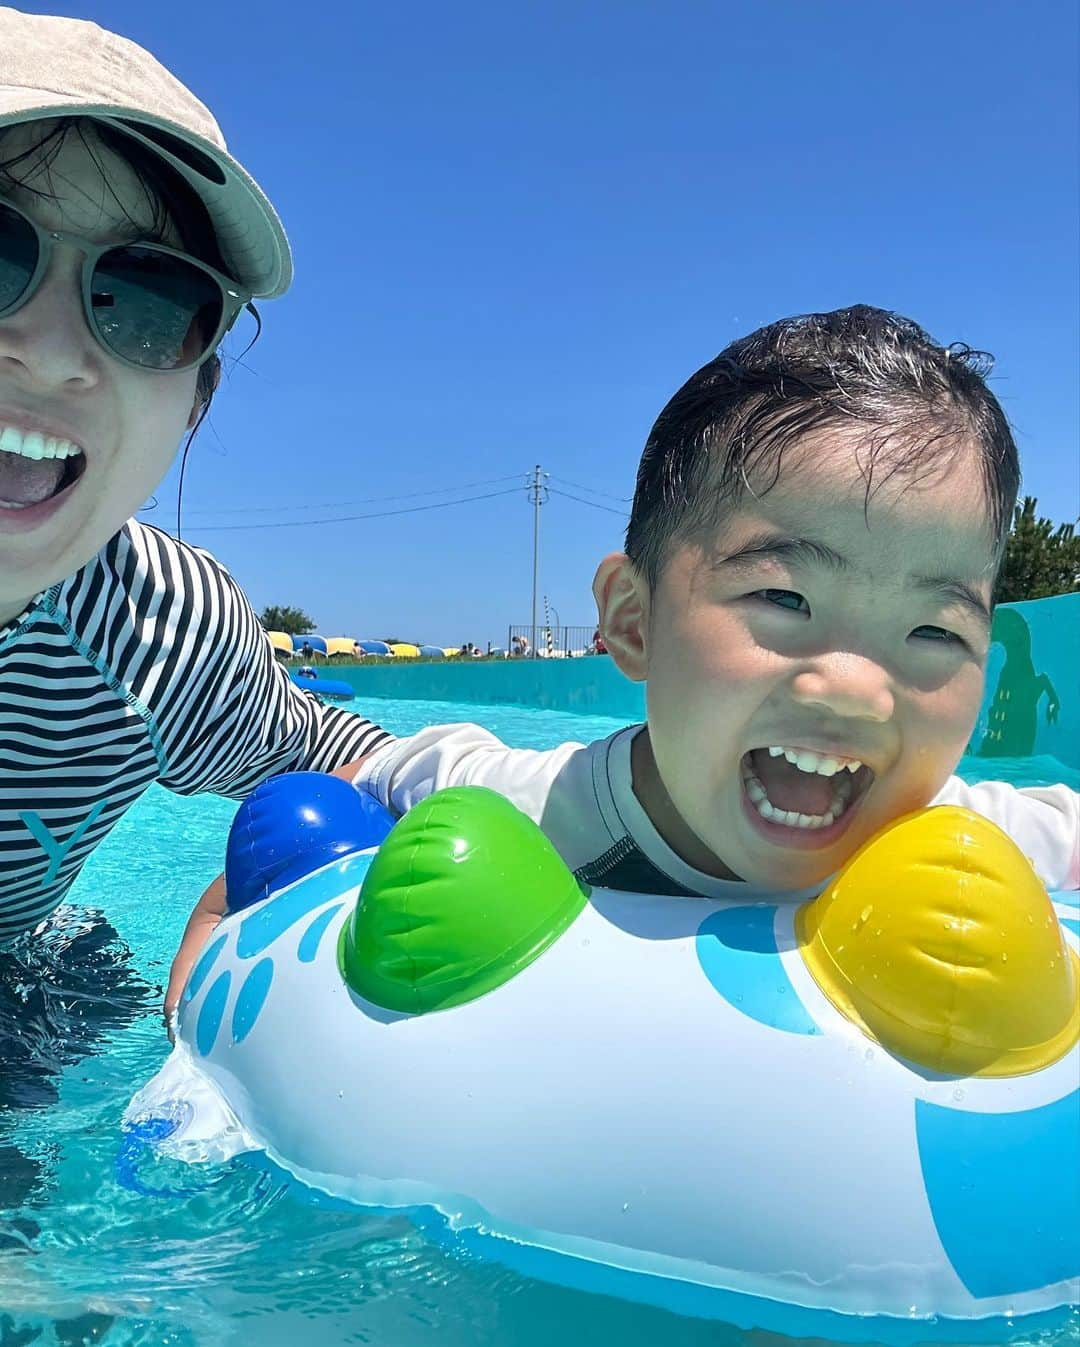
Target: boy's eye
[(937, 634), (786, 598)]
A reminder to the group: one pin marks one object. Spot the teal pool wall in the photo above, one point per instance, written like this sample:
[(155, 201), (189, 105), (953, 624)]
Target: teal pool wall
[(590, 685), (1031, 704)]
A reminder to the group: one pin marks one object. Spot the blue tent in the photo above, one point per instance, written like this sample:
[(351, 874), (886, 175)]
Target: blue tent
[(432, 651), (316, 643), (374, 647)]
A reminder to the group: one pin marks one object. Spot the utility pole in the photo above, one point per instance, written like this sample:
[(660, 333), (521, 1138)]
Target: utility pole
[(538, 495)]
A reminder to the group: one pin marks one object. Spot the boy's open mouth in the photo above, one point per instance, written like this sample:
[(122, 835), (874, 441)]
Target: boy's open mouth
[(799, 788)]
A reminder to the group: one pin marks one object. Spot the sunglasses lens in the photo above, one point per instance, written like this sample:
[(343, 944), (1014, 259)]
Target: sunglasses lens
[(18, 256), (154, 309)]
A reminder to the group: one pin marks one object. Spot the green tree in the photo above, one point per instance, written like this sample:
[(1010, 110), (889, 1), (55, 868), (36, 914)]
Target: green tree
[(1040, 559), (292, 620)]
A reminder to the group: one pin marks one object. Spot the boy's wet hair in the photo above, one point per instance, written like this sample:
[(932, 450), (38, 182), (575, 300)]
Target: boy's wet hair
[(913, 402)]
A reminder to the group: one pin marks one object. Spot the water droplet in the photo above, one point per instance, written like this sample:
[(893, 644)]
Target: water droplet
[(1004, 957), (948, 925), (626, 1206), (341, 1094), (869, 1054), (878, 931), (958, 1095)]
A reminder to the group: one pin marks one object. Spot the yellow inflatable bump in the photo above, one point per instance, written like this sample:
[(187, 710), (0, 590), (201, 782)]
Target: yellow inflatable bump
[(939, 941)]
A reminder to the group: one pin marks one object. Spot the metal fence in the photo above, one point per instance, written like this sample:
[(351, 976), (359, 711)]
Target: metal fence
[(551, 642)]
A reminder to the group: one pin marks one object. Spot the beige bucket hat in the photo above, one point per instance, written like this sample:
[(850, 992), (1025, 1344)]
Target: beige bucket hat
[(57, 67)]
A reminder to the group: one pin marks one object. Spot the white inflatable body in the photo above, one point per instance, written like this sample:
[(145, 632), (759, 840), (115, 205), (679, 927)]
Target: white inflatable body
[(662, 1106)]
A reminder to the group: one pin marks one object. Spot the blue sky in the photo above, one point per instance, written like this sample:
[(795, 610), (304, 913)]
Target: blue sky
[(519, 227)]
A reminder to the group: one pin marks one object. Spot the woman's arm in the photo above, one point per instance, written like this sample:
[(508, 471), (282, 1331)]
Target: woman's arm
[(205, 915)]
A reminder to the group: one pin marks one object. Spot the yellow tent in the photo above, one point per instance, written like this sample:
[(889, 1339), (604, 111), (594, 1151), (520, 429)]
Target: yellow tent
[(452, 651), (405, 651), (340, 645), (280, 641)]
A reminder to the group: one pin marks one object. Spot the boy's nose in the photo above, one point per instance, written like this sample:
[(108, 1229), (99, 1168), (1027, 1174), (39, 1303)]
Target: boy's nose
[(847, 685), (47, 344)]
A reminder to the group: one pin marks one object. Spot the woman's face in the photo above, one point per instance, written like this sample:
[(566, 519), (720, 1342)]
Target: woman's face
[(58, 384)]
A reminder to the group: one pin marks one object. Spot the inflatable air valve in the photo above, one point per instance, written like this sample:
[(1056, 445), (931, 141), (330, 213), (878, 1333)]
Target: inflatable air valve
[(938, 940)]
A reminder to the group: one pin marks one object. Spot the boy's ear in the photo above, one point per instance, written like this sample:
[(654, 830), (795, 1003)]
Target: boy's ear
[(622, 602)]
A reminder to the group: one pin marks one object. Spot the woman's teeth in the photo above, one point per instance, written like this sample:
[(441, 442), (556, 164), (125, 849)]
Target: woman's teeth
[(31, 444), (805, 761)]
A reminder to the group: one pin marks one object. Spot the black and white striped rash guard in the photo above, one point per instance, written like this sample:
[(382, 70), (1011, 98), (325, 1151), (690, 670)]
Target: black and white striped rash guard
[(146, 665)]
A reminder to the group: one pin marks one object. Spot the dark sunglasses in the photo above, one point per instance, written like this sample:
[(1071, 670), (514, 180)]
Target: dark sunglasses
[(149, 306)]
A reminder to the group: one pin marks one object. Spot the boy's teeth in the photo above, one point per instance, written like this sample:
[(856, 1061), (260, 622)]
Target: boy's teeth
[(31, 444), (791, 819), (806, 760), (761, 802)]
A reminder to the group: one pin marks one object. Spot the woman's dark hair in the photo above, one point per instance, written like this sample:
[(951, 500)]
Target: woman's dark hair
[(172, 201), (860, 366)]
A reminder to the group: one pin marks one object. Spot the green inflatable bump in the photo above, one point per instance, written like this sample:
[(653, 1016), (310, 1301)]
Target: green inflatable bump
[(464, 893)]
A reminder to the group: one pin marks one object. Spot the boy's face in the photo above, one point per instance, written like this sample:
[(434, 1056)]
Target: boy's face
[(811, 622)]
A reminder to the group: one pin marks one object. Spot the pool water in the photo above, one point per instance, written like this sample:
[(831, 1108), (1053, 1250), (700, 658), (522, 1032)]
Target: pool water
[(232, 1255)]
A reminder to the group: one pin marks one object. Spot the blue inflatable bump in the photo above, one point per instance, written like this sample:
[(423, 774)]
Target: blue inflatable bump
[(292, 825)]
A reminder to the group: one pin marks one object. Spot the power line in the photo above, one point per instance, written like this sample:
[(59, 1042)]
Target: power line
[(591, 490), (364, 500), (353, 518), (582, 501)]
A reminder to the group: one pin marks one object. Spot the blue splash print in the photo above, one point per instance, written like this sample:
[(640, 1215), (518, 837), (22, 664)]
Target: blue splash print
[(206, 961), (271, 920), (1004, 1190), (211, 1012), (738, 953), (309, 941), (267, 924), (250, 999)]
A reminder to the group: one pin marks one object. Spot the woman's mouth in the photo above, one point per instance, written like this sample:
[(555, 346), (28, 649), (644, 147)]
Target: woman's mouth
[(36, 471), (802, 797)]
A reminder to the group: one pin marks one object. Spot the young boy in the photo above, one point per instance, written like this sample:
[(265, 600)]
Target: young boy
[(819, 517)]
